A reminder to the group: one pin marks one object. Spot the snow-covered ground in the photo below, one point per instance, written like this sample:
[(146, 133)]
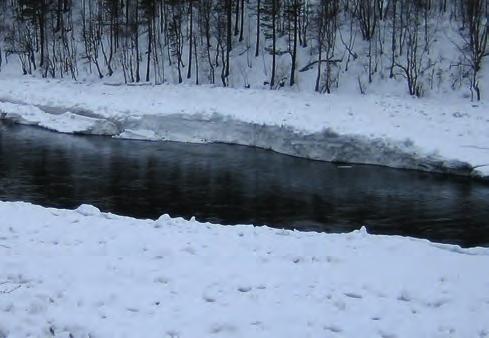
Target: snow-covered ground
[(84, 273), (425, 134)]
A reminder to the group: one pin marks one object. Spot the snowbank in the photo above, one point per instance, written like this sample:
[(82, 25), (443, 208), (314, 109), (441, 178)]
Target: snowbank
[(64, 123), (425, 134), (84, 273)]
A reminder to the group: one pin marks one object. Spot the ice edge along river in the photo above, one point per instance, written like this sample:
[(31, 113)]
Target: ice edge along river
[(325, 145)]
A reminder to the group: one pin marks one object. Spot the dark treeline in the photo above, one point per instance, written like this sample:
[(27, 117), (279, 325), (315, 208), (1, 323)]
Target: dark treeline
[(200, 41)]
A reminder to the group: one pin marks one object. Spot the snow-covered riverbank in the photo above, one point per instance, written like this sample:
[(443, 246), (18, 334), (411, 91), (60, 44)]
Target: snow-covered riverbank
[(424, 134), (84, 273)]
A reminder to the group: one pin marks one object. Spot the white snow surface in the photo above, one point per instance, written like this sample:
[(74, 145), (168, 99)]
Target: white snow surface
[(446, 130), (84, 273), (64, 123)]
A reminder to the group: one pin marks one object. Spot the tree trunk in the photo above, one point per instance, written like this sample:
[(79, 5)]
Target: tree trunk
[(258, 13), (294, 50), (242, 21), (42, 23), (229, 32), (190, 45), (274, 41), (150, 38)]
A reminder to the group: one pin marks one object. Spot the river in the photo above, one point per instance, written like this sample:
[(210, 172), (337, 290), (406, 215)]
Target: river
[(237, 185)]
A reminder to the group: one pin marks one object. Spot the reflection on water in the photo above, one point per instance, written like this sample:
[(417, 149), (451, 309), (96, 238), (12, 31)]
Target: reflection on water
[(233, 184)]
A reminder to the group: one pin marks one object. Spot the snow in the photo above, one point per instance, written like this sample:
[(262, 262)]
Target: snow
[(63, 123), (85, 273), (141, 134), (429, 134)]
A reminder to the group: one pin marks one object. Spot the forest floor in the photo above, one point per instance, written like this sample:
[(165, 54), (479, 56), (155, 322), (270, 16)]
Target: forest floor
[(446, 130), (84, 273)]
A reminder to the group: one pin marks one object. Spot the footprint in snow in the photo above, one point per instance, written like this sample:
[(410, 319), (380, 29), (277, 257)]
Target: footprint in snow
[(244, 289), (172, 334), (297, 260), (353, 295), (9, 307), (404, 296), (210, 294), (257, 323), (332, 259), (162, 280), (387, 335), (414, 311), (190, 250), (209, 298), (333, 328), (446, 330), (437, 303), (223, 328)]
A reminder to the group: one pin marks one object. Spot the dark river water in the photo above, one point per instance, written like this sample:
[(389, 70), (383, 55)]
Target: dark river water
[(237, 185)]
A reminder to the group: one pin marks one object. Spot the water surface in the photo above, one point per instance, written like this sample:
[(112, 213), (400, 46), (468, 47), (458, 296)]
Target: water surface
[(237, 185)]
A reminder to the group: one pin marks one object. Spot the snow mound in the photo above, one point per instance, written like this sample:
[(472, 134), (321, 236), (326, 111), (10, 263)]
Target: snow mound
[(88, 210), (84, 273)]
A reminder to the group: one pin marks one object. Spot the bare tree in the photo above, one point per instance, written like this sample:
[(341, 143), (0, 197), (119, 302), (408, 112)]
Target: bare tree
[(474, 34), (326, 28), (415, 64)]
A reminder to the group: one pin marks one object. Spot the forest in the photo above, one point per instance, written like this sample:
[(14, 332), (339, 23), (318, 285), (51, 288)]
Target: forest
[(321, 45)]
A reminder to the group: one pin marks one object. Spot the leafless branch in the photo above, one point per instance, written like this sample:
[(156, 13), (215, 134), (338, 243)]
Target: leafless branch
[(7, 291)]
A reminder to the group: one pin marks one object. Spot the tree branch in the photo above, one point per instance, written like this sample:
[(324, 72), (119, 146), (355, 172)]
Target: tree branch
[(7, 291), (310, 65)]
